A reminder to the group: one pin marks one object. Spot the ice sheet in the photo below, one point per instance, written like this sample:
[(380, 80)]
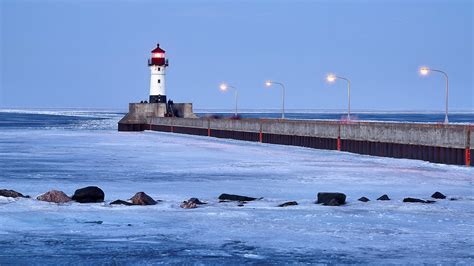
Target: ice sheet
[(173, 168)]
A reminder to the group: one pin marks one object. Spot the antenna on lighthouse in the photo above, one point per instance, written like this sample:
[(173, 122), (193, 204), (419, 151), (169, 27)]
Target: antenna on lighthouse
[(157, 65)]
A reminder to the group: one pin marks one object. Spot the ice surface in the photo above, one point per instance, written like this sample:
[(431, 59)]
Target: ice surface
[(173, 168)]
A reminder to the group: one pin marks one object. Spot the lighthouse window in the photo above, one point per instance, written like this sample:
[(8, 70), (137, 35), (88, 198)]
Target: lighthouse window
[(159, 68), (159, 81)]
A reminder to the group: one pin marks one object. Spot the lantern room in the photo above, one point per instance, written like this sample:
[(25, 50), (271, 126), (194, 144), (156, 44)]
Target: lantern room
[(158, 57)]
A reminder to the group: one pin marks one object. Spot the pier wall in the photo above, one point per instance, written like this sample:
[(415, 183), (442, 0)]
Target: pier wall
[(140, 114), (438, 143)]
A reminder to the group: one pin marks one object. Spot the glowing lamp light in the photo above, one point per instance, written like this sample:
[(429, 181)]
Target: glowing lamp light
[(158, 55), (424, 71), (223, 87), (331, 78), (269, 83)]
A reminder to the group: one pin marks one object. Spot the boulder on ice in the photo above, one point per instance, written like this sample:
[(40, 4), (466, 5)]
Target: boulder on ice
[(11, 194), (121, 202), (89, 194), (331, 198), (231, 197), (383, 197), (289, 203), (191, 203), (438, 195), (141, 198), (364, 199), (415, 200), (55, 196)]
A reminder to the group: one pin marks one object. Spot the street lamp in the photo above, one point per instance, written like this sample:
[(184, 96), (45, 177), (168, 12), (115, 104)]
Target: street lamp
[(224, 87), (425, 71), (332, 78), (268, 83)]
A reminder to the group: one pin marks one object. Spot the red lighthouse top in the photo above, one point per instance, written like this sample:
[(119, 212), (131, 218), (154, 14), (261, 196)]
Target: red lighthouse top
[(158, 57)]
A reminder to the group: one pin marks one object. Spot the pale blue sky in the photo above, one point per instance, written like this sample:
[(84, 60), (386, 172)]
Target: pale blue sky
[(93, 53)]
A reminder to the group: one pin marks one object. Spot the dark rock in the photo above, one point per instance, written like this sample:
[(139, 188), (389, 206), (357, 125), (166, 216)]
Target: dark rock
[(438, 195), (188, 205), (384, 197), (414, 200), (141, 198), (289, 203), (55, 196), (121, 202), (364, 199), (89, 195), (94, 222), (453, 199), (11, 194), (240, 205), (230, 197), (196, 201), (326, 197), (191, 203)]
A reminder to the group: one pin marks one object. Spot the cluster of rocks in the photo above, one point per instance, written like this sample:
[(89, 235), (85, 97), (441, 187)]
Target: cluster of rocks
[(83, 195), (330, 199), (338, 199), (436, 195), (93, 194)]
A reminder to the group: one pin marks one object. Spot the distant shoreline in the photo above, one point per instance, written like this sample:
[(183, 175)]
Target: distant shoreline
[(248, 111)]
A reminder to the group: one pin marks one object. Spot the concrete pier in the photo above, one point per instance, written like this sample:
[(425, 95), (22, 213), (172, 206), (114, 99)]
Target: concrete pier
[(140, 114), (438, 143)]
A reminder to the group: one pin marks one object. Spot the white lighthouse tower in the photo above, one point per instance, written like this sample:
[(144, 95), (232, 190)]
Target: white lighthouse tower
[(157, 64)]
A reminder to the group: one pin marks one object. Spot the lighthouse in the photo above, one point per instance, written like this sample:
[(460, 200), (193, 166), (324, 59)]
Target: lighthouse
[(157, 64), (140, 115)]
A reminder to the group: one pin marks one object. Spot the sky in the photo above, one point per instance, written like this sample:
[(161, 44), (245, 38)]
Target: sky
[(93, 54)]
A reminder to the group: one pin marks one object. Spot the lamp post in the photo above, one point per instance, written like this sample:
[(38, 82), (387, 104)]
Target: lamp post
[(425, 71), (224, 87), (332, 78), (268, 83)]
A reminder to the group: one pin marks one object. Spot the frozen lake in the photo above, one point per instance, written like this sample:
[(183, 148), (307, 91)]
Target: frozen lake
[(40, 151)]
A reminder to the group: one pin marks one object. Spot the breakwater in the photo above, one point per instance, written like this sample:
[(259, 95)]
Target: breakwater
[(438, 143)]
